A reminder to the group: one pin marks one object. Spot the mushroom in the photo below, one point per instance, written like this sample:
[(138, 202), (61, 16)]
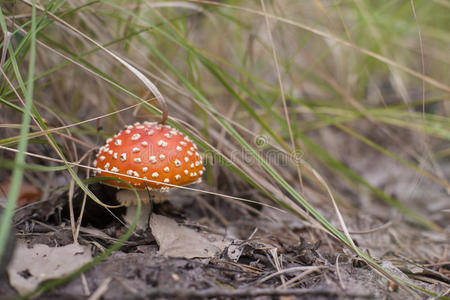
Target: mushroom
[(152, 157)]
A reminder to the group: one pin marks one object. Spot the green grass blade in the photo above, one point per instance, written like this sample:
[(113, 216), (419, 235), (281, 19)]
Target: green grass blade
[(16, 180)]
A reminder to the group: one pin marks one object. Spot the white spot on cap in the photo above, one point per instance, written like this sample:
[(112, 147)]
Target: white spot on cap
[(140, 127), (135, 137), (186, 138), (114, 170), (136, 174), (136, 123), (151, 132), (123, 157), (155, 175), (162, 143), (167, 135), (128, 131), (166, 180), (102, 158), (137, 160), (191, 174), (115, 155), (118, 142), (109, 140), (177, 177), (177, 162), (129, 126), (144, 169), (152, 159), (200, 172), (162, 156), (173, 132), (190, 153), (186, 159), (144, 143), (130, 172), (197, 163), (179, 148), (192, 165), (197, 154), (136, 149), (158, 126), (192, 149), (95, 163), (186, 172), (183, 143), (106, 167), (110, 152), (166, 169)]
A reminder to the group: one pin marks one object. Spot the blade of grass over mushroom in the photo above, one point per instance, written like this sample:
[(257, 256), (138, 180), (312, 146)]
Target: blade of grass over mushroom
[(16, 180), (9, 164), (98, 179)]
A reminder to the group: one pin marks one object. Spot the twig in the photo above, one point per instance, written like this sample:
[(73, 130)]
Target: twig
[(290, 270), (338, 272), (297, 278), (101, 289), (85, 285)]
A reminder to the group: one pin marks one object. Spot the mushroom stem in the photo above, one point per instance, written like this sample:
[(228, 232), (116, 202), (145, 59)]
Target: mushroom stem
[(128, 198), (142, 223)]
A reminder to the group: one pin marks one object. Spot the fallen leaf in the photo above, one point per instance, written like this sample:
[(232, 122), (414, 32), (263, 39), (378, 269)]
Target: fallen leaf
[(27, 194), (175, 240), (31, 266)]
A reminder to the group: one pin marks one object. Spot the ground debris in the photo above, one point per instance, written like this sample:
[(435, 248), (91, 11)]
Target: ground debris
[(249, 293), (31, 266)]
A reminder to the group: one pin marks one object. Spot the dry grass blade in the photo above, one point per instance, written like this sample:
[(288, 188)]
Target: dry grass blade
[(377, 56), (137, 73), (148, 180), (283, 97), (6, 40)]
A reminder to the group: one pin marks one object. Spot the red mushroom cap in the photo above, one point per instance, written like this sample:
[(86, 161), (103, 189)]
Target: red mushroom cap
[(150, 151)]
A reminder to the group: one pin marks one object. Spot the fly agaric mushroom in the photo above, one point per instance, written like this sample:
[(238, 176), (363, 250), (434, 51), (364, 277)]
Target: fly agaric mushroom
[(150, 155)]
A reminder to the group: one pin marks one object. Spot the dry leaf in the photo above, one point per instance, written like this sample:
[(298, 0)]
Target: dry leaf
[(28, 193), (31, 266), (178, 241)]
